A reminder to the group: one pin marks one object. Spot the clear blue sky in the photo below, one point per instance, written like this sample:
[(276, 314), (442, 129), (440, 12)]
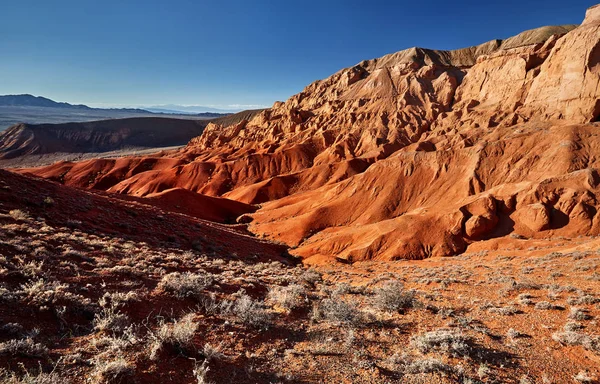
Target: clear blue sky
[(224, 52)]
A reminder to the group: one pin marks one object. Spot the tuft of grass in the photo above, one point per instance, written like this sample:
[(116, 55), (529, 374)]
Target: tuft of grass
[(336, 309), (185, 284), (200, 372), (19, 215), (251, 312), (574, 338), (110, 319), (23, 347), (29, 377), (114, 371), (428, 366), (584, 377), (579, 314), (392, 297), (442, 340), (178, 335), (289, 298)]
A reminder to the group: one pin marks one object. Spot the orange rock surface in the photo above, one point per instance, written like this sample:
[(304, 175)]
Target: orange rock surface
[(415, 154)]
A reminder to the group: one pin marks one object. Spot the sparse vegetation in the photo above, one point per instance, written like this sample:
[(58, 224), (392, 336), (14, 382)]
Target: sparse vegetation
[(177, 336), (442, 340), (289, 297), (392, 297), (117, 310), (185, 284), (23, 347)]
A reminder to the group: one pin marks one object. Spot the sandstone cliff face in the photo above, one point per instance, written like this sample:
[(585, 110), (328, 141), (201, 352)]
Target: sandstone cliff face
[(415, 154)]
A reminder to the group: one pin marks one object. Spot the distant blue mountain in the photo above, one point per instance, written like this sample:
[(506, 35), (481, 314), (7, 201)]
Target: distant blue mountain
[(27, 100), (190, 109)]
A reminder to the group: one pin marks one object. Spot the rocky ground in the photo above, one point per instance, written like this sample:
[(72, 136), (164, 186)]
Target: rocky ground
[(84, 301)]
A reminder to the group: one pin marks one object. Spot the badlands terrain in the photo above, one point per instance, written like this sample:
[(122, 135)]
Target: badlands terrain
[(424, 217)]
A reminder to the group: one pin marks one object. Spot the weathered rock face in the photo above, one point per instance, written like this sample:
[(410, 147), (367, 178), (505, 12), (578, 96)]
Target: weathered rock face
[(569, 80), (415, 154)]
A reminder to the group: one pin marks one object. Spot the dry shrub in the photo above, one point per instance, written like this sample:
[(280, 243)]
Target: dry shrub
[(179, 335), (185, 284), (392, 297)]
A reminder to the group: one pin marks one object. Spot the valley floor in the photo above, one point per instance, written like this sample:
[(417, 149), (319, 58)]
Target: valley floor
[(52, 158)]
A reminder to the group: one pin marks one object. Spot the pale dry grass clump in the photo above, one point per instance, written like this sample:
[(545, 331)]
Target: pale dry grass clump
[(392, 297), (585, 377), (19, 215), (311, 276), (579, 314), (178, 335), (442, 340), (114, 371), (110, 319), (336, 309), (546, 306), (200, 372), (23, 347), (289, 298), (9, 377), (251, 312), (408, 365), (574, 338), (43, 292), (185, 284)]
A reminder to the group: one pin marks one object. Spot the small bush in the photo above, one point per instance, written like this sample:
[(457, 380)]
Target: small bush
[(544, 306), (513, 334), (289, 298), (110, 319), (574, 338), (428, 366), (584, 377), (336, 309), (508, 310), (579, 314), (185, 284), (23, 347), (583, 299), (525, 299), (392, 297), (311, 276), (115, 371), (19, 215), (212, 353), (442, 340), (200, 372), (8, 377), (251, 312), (178, 335)]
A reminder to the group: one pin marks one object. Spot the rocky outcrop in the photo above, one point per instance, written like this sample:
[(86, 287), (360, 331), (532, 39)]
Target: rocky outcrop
[(415, 154)]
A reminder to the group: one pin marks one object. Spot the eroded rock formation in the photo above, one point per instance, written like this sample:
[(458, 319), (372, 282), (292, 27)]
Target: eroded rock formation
[(415, 154)]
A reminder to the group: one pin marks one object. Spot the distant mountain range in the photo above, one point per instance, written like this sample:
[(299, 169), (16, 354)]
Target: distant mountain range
[(37, 110), (191, 109), (27, 100)]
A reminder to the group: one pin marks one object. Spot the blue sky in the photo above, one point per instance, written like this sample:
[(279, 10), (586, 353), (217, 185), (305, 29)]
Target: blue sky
[(224, 53)]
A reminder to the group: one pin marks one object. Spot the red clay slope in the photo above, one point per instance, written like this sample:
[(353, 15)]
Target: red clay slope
[(414, 154), (102, 214)]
